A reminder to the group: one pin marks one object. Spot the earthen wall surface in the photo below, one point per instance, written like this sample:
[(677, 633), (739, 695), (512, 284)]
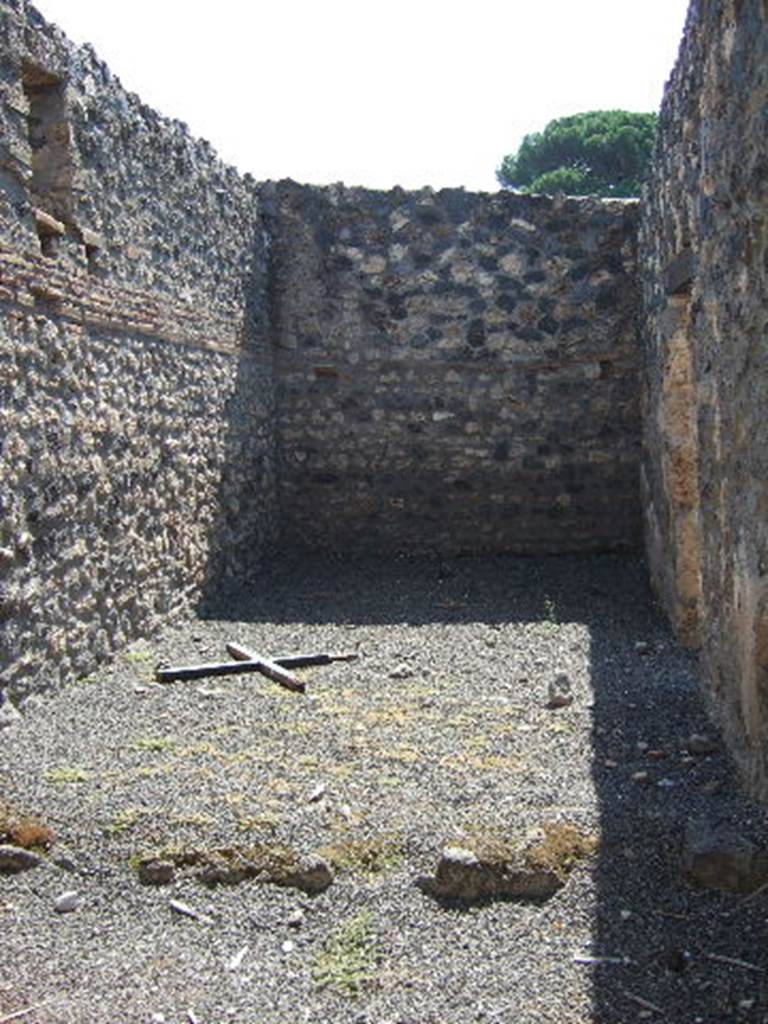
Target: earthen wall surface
[(704, 267)]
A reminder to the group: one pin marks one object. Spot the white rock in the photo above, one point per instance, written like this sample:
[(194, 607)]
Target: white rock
[(67, 902), (401, 672), (288, 946), (9, 715), (236, 961)]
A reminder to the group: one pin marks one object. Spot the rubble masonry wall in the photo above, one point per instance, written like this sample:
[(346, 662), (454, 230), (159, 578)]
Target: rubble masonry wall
[(704, 268), (136, 402), (454, 371)]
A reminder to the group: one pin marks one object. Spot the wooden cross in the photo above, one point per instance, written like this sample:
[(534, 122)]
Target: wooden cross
[(247, 660)]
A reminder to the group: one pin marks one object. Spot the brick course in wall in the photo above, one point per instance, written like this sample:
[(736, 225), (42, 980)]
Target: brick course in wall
[(136, 398)]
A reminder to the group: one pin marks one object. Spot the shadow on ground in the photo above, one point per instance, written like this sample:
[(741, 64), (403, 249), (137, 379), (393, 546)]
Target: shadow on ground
[(671, 950)]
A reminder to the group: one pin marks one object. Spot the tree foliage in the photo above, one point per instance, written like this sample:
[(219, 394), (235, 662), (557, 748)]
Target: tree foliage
[(602, 153)]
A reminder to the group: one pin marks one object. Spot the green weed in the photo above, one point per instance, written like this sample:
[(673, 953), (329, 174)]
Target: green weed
[(348, 960)]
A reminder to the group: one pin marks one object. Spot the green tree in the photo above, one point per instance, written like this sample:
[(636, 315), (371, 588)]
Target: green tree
[(600, 153)]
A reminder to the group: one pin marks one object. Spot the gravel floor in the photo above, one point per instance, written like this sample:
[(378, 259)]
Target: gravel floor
[(439, 730)]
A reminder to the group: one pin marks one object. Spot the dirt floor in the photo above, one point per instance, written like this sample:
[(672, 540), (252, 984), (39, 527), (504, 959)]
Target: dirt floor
[(438, 734)]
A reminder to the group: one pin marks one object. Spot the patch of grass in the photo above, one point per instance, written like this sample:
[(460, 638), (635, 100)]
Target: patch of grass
[(198, 820), (560, 848), (155, 743), (279, 785), (228, 865), (206, 749), (67, 775), (89, 680), (138, 657), (390, 714), (124, 821), (402, 754), (348, 960), (339, 771), (260, 823), (550, 608), (366, 856), (491, 762)]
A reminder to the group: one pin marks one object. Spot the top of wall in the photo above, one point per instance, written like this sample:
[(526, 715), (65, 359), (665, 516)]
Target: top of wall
[(140, 201)]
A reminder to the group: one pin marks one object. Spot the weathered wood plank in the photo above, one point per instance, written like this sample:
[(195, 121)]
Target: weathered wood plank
[(268, 667), (225, 668), (303, 660), (219, 668)]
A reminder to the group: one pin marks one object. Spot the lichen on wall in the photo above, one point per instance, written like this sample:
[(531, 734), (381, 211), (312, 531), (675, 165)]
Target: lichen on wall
[(704, 266)]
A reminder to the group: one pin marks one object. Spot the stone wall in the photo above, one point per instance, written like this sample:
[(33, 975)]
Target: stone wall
[(455, 371), (136, 400), (705, 272)]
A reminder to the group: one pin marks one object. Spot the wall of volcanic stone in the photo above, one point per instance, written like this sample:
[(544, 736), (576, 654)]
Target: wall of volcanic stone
[(705, 269), (136, 467), (454, 371)]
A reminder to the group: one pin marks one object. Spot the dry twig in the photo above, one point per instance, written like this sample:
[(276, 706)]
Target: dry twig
[(643, 1002), (22, 1013), (734, 962)]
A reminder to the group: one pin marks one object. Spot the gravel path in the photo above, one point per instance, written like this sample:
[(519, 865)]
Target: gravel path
[(438, 732)]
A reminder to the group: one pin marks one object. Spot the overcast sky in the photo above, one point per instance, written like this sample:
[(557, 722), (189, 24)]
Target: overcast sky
[(403, 92)]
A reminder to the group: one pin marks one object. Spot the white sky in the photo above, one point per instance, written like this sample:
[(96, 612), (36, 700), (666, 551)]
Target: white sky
[(399, 92)]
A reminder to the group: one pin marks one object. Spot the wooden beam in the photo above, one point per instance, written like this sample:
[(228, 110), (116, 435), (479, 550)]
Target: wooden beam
[(256, 664), (218, 668), (302, 660), (267, 666)]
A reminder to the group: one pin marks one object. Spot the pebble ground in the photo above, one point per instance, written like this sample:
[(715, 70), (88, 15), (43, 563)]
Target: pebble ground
[(439, 730)]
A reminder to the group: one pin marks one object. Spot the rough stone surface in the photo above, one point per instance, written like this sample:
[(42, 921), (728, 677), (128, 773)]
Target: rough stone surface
[(16, 858), (136, 469), (9, 715), (455, 371), (718, 857), (157, 872), (67, 902), (704, 241), (312, 875), (560, 691), (474, 874)]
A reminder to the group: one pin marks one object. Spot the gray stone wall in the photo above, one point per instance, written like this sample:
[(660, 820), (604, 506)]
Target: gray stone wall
[(126, 194), (136, 400), (455, 371), (705, 272)]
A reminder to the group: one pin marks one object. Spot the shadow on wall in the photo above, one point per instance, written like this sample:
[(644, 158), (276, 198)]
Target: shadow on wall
[(244, 524), (657, 933)]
